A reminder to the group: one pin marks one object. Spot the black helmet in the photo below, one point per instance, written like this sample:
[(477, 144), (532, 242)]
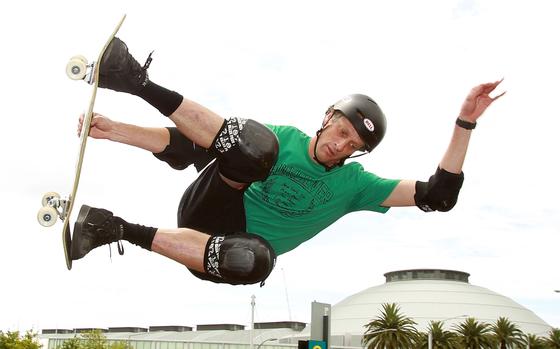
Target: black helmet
[(366, 117)]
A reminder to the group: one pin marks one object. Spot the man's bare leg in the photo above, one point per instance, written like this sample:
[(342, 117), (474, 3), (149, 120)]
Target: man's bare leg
[(95, 227), (236, 258), (197, 123), (120, 71), (186, 246)]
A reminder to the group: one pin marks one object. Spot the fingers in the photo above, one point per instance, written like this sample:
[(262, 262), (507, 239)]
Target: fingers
[(80, 124), (489, 87), (486, 89), (480, 89), (493, 87), (93, 122), (498, 96)]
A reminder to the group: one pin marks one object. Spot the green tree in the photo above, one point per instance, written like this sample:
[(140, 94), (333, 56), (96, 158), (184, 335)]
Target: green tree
[(507, 334), (534, 342), (93, 340), (120, 345), (390, 330), (553, 339), (13, 340), (473, 334), (441, 339), (72, 343)]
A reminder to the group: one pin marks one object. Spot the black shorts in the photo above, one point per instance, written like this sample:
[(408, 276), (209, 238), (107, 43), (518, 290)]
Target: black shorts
[(208, 205)]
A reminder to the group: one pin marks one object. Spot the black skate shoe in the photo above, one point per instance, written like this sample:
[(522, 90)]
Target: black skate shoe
[(119, 71), (94, 227)]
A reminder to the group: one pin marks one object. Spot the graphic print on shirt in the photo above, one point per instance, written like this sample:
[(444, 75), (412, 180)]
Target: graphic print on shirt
[(294, 193)]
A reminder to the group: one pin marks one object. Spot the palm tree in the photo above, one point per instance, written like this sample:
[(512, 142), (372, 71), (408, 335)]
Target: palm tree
[(507, 334), (441, 339), (534, 342), (553, 340), (390, 330), (473, 334)]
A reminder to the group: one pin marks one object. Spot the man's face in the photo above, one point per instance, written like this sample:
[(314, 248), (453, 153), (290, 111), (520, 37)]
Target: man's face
[(338, 141)]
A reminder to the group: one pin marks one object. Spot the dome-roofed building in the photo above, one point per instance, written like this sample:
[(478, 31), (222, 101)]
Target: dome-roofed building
[(425, 295), (421, 294)]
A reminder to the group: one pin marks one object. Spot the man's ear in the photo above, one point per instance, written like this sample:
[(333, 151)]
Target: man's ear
[(328, 116)]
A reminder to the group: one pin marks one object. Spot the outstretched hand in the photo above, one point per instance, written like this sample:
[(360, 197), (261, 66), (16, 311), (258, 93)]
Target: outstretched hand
[(100, 126), (478, 100)]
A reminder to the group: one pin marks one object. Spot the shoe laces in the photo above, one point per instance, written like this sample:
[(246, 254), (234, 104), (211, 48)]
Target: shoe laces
[(120, 248), (103, 231), (107, 232), (148, 62)]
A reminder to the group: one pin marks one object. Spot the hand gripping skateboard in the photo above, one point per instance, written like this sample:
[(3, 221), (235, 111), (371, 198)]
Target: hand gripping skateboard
[(53, 205)]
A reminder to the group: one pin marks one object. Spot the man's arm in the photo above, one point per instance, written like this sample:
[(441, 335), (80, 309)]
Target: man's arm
[(452, 162), (152, 139), (472, 109)]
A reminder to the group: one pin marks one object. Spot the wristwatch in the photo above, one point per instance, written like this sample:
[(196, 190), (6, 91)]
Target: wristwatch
[(465, 124)]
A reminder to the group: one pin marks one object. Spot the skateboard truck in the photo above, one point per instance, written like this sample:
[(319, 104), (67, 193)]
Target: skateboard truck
[(90, 76), (53, 207), (78, 68)]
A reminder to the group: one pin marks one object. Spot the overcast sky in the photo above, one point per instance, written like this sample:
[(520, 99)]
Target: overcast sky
[(282, 62)]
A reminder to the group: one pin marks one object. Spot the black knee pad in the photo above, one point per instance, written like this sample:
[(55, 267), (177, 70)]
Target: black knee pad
[(246, 150), (239, 258), (440, 193)]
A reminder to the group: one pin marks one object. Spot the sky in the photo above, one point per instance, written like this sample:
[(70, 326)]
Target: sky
[(282, 62)]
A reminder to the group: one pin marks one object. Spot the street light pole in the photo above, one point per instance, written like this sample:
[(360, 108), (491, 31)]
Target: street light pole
[(430, 339), (266, 340), (251, 343), (431, 335)]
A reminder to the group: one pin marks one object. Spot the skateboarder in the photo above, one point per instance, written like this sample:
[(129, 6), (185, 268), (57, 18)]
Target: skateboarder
[(262, 190)]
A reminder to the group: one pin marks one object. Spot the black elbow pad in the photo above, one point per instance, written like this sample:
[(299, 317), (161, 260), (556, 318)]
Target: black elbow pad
[(181, 152), (440, 193)]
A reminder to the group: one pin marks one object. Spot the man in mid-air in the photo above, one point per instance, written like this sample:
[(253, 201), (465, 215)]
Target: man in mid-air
[(262, 189)]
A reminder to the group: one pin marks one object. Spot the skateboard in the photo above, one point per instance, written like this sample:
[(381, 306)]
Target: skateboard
[(53, 206)]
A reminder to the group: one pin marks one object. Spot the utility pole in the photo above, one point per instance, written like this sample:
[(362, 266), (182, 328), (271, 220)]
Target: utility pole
[(251, 344)]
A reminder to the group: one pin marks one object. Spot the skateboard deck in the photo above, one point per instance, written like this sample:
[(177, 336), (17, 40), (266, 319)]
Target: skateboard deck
[(53, 205)]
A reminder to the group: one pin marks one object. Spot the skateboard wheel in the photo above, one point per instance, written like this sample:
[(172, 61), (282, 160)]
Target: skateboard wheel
[(47, 216), (80, 58), (76, 68), (48, 197)]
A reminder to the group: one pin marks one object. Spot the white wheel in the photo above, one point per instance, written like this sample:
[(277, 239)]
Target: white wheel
[(76, 68), (47, 216), (48, 196), (80, 58)]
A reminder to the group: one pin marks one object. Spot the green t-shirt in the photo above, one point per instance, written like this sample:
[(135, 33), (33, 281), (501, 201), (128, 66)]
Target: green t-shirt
[(300, 198)]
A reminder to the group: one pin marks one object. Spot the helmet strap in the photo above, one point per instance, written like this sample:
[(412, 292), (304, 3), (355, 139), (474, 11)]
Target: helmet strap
[(358, 155)]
